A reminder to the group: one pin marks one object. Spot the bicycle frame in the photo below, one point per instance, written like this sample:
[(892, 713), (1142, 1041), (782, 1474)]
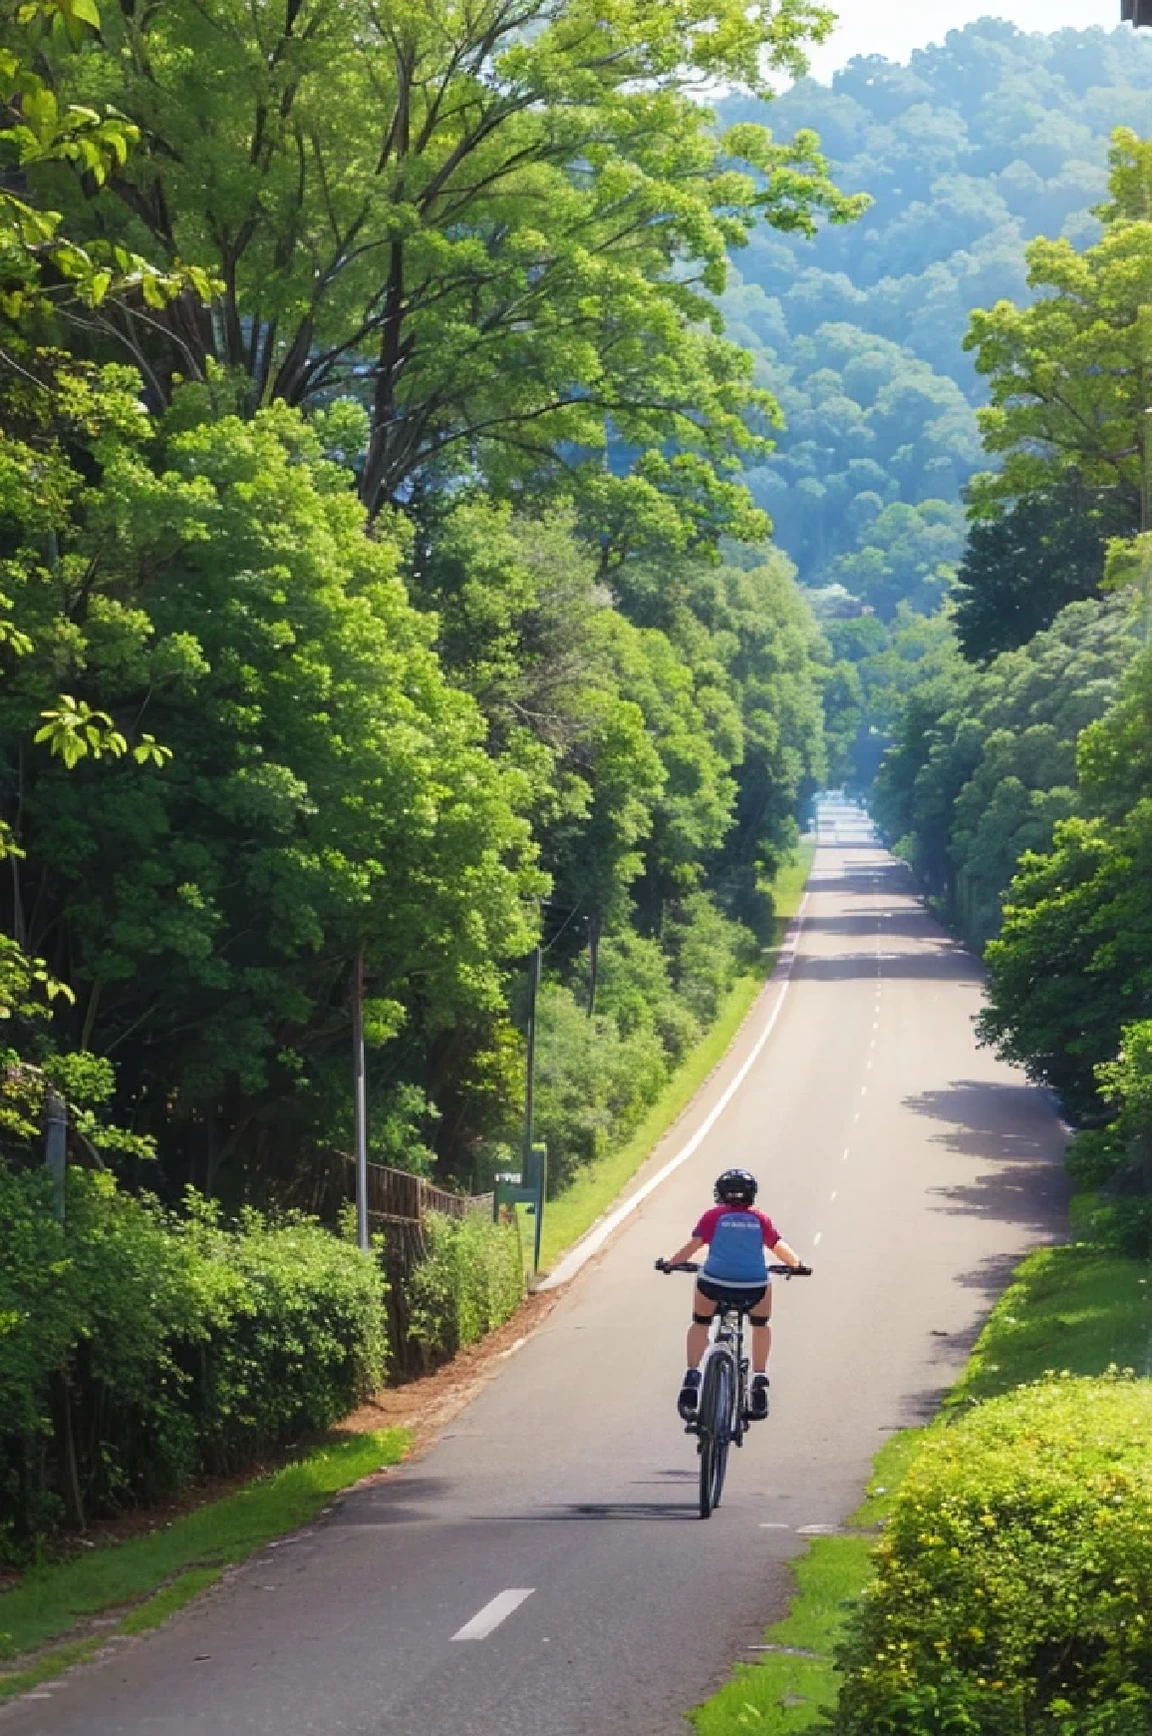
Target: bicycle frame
[(728, 1335)]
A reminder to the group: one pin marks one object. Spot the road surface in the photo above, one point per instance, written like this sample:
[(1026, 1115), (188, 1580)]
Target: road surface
[(540, 1571)]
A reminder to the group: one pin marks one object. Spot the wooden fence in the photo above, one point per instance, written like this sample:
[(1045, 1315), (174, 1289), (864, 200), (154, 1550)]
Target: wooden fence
[(398, 1205)]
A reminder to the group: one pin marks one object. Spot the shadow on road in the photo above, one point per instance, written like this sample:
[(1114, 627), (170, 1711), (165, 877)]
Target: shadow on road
[(860, 880), (644, 1510), (947, 963), (986, 1118), (911, 922), (399, 1500), (991, 1277), (1009, 1128)]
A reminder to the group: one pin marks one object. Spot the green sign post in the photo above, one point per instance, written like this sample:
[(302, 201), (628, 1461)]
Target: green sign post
[(527, 1189)]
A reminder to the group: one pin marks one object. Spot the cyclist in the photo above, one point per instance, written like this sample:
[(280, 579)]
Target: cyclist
[(735, 1272)]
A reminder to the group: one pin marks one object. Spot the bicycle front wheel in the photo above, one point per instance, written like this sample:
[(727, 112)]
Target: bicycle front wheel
[(716, 1397)]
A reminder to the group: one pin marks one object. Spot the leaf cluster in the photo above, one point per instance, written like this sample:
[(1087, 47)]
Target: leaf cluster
[(1014, 1577), (470, 1281), (138, 1348)]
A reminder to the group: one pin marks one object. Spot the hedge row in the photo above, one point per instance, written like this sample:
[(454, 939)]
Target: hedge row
[(138, 1347), (1014, 1586), (471, 1282)]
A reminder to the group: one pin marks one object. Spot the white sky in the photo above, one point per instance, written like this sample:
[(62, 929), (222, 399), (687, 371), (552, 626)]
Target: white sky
[(895, 27)]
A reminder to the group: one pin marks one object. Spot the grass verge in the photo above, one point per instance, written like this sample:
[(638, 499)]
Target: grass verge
[(568, 1217), (149, 1577), (1076, 1308)]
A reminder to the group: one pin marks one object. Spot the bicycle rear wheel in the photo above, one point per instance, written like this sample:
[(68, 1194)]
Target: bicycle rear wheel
[(714, 1426)]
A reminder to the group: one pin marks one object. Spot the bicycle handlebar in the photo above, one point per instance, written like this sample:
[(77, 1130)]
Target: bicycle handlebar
[(777, 1269)]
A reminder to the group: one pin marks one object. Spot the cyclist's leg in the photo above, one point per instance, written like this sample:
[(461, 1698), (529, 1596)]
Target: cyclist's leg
[(758, 1317), (703, 1314), (759, 1314)]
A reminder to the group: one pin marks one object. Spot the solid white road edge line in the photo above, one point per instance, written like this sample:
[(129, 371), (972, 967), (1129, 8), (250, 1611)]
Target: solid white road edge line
[(595, 1239), (493, 1613)]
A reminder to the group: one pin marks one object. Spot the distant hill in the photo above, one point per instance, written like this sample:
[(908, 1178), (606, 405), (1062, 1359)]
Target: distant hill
[(969, 151)]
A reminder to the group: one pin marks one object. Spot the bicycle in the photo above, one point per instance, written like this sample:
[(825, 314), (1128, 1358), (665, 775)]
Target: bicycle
[(723, 1415)]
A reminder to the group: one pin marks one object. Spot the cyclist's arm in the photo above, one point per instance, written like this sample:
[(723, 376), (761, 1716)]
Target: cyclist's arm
[(688, 1252), (786, 1255)]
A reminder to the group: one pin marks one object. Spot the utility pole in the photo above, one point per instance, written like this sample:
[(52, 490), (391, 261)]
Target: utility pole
[(361, 1102), (530, 1091)]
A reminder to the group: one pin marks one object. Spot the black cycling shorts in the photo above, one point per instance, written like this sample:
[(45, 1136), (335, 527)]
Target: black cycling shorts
[(745, 1299)]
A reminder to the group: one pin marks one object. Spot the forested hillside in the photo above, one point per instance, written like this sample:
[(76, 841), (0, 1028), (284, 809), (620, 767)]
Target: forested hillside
[(978, 145)]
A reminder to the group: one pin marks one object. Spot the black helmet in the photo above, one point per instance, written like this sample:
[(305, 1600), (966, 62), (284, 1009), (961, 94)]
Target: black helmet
[(736, 1187)]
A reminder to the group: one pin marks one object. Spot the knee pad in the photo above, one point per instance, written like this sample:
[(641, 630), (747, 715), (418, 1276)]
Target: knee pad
[(760, 1319), (703, 1319)]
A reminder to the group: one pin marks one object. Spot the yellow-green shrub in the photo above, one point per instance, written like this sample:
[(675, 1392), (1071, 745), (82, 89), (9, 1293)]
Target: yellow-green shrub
[(1014, 1586)]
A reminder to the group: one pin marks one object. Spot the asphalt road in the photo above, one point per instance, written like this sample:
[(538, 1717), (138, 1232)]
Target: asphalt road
[(555, 1521)]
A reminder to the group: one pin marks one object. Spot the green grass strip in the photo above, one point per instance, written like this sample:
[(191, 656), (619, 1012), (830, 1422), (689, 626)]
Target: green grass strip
[(574, 1212), (157, 1609), (179, 1559), (786, 1692), (44, 1669), (1077, 1308)]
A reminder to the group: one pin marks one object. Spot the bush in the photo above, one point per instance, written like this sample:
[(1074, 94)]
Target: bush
[(710, 952), (1015, 1577), (300, 1340), (594, 1084), (1117, 1158), (596, 1078), (470, 1282), (138, 1348)]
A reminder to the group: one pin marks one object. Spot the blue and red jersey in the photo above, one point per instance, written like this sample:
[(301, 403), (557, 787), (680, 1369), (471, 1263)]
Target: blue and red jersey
[(737, 1237)]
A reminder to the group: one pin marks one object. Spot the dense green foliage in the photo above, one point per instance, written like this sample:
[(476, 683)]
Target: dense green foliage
[(1074, 962), (328, 788), (1117, 1158), (1022, 567), (139, 1347), (470, 1281), (600, 1071), (1067, 372), (983, 762), (370, 190), (1014, 1575)]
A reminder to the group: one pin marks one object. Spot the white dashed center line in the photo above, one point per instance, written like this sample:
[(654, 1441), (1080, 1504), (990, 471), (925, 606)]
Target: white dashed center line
[(487, 1619)]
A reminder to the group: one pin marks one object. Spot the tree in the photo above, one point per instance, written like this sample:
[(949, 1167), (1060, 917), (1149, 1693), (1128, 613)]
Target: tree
[(502, 226), (976, 147), (1020, 569), (44, 270), (983, 763), (328, 790), (1071, 373), (1073, 963)]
